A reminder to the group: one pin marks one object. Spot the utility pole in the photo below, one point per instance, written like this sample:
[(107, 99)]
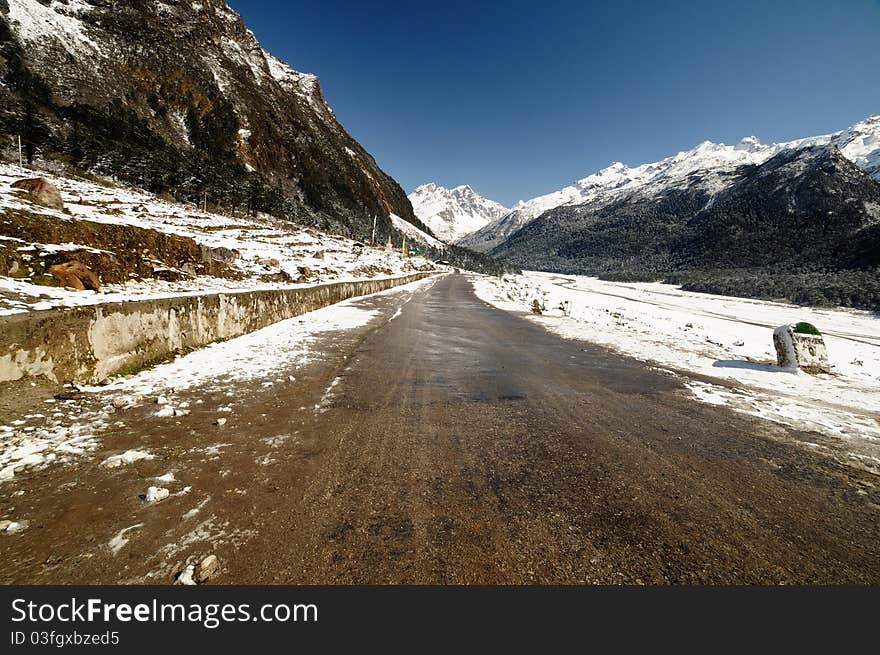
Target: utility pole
[(403, 247), (20, 159), (373, 238)]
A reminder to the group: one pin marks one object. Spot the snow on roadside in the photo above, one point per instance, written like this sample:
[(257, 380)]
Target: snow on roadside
[(73, 428), (721, 337), (248, 357), (39, 439)]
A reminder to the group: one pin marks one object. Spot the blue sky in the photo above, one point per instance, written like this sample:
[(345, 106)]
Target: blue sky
[(518, 99)]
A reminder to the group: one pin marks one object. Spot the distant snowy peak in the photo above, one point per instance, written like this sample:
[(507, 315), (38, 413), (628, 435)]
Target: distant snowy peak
[(861, 145), (454, 213), (709, 167)]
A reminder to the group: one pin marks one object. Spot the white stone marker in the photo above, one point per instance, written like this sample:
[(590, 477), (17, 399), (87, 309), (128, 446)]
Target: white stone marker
[(801, 346)]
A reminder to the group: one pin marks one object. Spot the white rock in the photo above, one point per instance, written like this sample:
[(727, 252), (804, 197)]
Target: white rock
[(167, 411), (220, 422), (161, 400), (290, 378), (13, 526), (185, 577), (155, 494)]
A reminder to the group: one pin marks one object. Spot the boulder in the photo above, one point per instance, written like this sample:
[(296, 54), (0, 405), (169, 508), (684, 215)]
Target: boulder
[(801, 346), (185, 577), (40, 191), (207, 569), (75, 275), (156, 494), (221, 254)]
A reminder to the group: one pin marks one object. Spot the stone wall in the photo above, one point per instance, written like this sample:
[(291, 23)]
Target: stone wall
[(89, 344)]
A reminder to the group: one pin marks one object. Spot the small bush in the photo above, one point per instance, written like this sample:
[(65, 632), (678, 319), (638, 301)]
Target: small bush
[(536, 307), (807, 328)]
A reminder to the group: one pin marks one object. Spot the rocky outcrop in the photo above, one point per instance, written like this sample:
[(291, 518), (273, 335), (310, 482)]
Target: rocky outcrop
[(208, 568), (116, 252)]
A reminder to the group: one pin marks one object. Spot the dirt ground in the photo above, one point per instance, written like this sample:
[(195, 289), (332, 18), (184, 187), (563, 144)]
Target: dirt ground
[(450, 443)]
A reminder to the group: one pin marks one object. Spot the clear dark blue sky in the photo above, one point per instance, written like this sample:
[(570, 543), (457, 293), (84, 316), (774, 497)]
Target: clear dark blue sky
[(520, 98)]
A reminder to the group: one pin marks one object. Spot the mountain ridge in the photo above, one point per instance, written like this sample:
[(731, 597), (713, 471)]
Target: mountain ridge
[(708, 165), (453, 213), (803, 225)]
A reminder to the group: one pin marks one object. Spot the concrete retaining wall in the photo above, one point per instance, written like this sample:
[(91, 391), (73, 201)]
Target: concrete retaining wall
[(89, 344)]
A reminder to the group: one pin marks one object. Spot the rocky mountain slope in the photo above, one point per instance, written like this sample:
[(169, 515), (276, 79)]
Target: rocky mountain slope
[(179, 98), (708, 168), (804, 225), (454, 213)]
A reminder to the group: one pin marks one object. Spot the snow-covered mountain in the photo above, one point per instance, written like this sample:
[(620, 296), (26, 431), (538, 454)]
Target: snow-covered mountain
[(179, 97), (454, 213), (709, 167)]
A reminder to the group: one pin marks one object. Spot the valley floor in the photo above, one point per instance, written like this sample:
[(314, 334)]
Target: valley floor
[(424, 436)]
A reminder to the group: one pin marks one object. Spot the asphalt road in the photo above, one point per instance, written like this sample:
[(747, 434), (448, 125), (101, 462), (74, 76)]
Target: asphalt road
[(452, 442)]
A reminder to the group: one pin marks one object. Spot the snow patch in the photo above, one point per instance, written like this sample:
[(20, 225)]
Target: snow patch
[(34, 22), (126, 458)]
